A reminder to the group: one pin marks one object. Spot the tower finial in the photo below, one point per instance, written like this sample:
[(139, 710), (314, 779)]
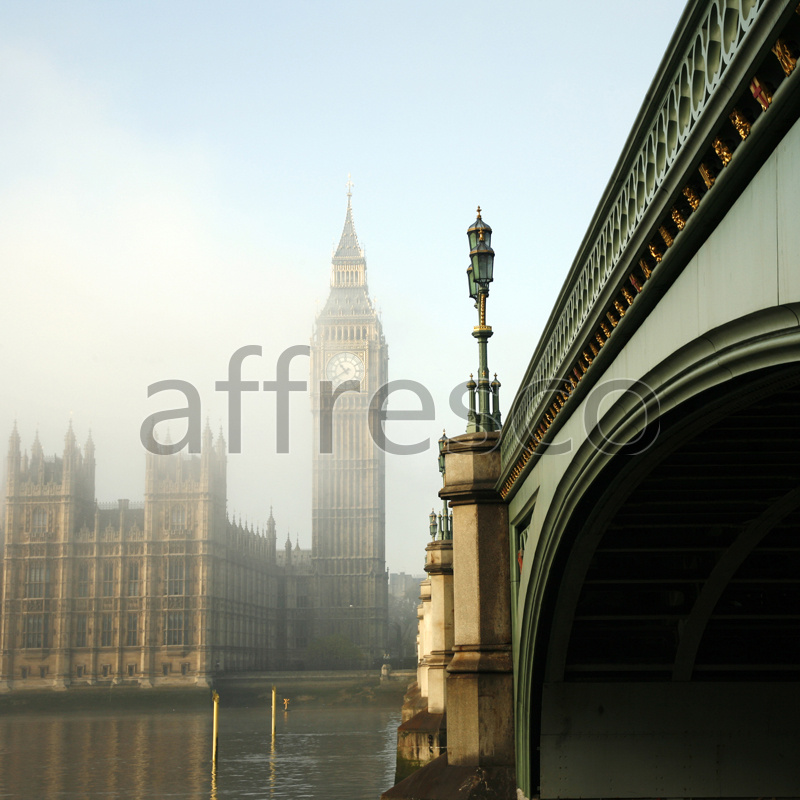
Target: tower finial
[(348, 263), (479, 212), (14, 440), (69, 439)]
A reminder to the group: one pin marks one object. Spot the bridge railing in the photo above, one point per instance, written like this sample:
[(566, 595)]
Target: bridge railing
[(649, 198)]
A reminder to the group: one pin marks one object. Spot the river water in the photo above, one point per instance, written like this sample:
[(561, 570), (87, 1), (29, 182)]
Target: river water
[(324, 754)]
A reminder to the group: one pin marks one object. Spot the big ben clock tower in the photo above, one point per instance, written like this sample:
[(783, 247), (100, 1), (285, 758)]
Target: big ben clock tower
[(349, 361)]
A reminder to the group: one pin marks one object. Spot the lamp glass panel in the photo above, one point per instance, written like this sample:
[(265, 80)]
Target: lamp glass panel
[(482, 265), (473, 287)]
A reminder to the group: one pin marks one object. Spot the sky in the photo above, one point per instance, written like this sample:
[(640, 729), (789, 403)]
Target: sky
[(173, 181)]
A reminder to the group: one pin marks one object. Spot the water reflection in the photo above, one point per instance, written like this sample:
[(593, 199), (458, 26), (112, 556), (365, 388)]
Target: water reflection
[(272, 769), (339, 754)]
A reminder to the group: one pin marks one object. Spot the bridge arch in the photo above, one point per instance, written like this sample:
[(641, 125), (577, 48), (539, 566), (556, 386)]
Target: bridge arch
[(626, 590), (639, 591)]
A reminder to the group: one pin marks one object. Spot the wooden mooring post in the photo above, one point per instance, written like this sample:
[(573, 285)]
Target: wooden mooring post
[(274, 701), (215, 735)]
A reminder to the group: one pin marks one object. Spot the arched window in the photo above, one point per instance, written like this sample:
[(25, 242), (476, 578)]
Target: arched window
[(35, 630), (133, 579), (37, 579), (80, 631), (83, 582), (39, 522), (106, 630), (178, 517), (176, 576), (176, 628), (109, 575)]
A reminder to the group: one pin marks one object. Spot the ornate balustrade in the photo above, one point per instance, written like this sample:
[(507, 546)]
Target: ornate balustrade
[(114, 505), (726, 63)]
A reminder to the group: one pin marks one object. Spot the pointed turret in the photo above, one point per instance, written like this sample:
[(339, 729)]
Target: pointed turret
[(88, 466), (36, 472), (37, 453), (70, 444), (70, 460), (271, 534), (348, 243), (206, 452), (288, 548), (14, 460), (14, 440), (88, 448), (349, 264)]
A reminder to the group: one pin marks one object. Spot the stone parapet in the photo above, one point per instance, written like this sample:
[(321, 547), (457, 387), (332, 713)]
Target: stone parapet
[(477, 690), (439, 566), (423, 641), (480, 687)]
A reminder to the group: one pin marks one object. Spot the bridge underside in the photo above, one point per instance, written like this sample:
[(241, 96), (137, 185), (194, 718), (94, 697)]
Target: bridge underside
[(673, 664), (697, 575)]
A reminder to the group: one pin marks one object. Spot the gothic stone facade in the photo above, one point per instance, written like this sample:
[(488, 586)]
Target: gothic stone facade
[(349, 365), (171, 591), (174, 591)]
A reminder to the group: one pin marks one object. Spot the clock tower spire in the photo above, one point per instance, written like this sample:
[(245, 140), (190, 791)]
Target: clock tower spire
[(349, 362), (349, 267)]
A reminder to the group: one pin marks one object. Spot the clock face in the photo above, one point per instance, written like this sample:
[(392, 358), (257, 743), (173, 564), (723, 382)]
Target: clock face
[(344, 367)]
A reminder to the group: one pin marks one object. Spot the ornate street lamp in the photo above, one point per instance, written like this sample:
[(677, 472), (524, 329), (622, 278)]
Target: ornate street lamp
[(441, 526), (445, 518), (480, 274), (442, 449)]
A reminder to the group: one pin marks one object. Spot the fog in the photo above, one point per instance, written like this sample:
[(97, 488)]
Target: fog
[(172, 182)]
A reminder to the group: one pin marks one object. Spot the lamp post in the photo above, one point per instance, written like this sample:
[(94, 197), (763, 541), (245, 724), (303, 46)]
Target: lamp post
[(480, 274), (445, 518), (441, 527)]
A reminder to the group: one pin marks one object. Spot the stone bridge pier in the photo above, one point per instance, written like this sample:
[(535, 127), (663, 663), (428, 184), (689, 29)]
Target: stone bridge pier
[(479, 761)]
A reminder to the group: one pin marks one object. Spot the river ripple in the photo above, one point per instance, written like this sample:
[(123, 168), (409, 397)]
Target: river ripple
[(333, 754)]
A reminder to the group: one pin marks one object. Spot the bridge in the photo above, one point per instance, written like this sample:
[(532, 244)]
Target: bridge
[(650, 461), (625, 612)]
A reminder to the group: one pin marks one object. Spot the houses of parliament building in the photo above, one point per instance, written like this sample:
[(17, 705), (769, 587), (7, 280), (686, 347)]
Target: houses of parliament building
[(171, 590)]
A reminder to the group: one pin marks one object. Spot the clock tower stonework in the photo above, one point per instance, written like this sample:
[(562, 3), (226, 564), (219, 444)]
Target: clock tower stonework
[(349, 363)]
